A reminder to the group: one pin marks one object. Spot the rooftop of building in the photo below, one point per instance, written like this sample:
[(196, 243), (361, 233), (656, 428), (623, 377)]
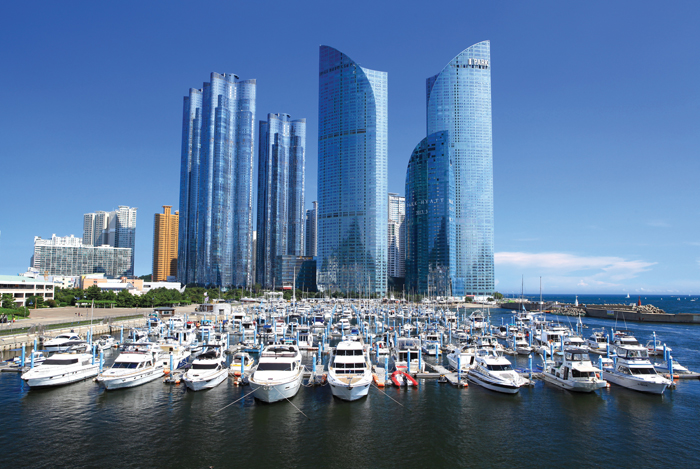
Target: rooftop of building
[(20, 279)]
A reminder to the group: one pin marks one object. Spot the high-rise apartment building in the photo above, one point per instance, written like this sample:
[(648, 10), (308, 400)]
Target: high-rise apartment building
[(165, 233), (116, 229), (459, 102), (68, 256), (352, 175), (396, 243), (280, 215), (216, 191), (311, 234), (430, 212)]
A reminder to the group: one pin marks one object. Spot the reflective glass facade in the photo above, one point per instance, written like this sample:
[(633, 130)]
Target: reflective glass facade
[(459, 101), (352, 175), (216, 188), (430, 211), (280, 216)]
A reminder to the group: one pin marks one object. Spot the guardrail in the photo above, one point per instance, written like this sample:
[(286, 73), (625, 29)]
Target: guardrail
[(23, 327)]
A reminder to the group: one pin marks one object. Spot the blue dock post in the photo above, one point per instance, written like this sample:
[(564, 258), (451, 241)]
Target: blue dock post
[(172, 370), (670, 367), (654, 342), (459, 367), (600, 365), (529, 362), (228, 342), (121, 335), (102, 360), (31, 360), (313, 373), (376, 354), (607, 350), (93, 354), (551, 350), (408, 361), (665, 353), (450, 334), (386, 368), (420, 359)]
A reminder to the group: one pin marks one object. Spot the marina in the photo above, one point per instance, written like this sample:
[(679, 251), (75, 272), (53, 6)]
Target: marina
[(442, 394)]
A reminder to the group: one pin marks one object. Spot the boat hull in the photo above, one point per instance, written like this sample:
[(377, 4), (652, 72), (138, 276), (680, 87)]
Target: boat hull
[(276, 392), (211, 381), (350, 393), (575, 386), (650, 387), (493, 386), (122, 382), (61, 379)]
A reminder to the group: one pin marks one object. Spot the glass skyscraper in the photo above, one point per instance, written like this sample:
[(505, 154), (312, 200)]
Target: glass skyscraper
[(430, 212), (216, 191), (459, 101), (352, 175), (280, 217)]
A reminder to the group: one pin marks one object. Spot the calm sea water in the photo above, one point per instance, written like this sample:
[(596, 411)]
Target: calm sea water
[(436, 425)]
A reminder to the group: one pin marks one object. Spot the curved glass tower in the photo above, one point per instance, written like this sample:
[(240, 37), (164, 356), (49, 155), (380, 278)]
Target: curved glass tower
[(281, 217), (352, 176), (430, 211), (459, 101), (216, 188)]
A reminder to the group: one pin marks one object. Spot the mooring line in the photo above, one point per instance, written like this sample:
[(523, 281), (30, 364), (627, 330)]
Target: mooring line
[(297, 408), (228, 405), (383, 392)]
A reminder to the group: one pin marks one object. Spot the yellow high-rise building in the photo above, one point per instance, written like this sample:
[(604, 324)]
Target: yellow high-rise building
[(165, 232)]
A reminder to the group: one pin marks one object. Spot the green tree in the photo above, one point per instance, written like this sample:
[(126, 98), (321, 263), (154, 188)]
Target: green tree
[(498, 296), (125, 299), (93, 293), (34, 301), (8, 301)]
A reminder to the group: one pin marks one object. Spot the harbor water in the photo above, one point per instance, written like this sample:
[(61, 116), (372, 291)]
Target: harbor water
[(433, 425)]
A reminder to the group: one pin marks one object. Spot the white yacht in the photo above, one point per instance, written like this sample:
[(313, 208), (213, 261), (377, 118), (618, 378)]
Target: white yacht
[(278, 374), (495, 372), (477, 321), (131, 368), (241, 363), (462, 357), (181, 355), (431, 344), (404, 348), (62, 342), (574, 371), (350, 370), (62, 368), (597, 342), (633, 370), (208, 370), (106, 342)]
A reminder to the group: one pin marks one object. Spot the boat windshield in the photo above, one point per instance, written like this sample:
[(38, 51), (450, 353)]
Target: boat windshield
[(60, 361), (500, 367), (275, 366), (643, 371), (125, 365), (582, 374), (204, 366), (341, 352)]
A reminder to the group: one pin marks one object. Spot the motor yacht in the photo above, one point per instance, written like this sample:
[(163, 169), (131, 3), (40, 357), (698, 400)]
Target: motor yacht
[(495, 372), (462, 357), (62, 368), (597, 342), (278, 374), (632, 369), (573, 370), (208, 370), (180, 353), (405, 348), (350, 370), (106, 342), (241, 363), (132, 367), (431, 343), (63, 342)]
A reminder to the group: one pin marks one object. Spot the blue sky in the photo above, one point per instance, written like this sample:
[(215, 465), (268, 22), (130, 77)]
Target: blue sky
[(596, 113)]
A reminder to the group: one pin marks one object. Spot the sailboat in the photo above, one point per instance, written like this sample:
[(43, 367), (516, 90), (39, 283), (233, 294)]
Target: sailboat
[(628, 295)]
